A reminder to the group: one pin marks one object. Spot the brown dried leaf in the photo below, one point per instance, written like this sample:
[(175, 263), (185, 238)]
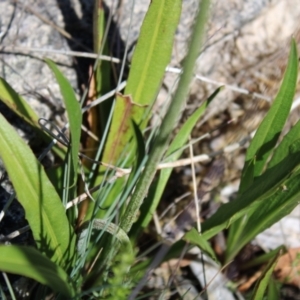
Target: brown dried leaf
[(245, 286), (287, 269)]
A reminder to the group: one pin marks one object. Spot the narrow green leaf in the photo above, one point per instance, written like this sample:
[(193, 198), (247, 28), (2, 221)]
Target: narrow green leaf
[(31, 263), (264, 142), (102, 225), (241, 230), (98, 25), (20, 107), (103, 68), (283, 148), (150, 58), (139, 158), (153, 52), (175, 150), (173, 153), (264, 280), (268, 212), (273, 290), (73, 110), (160, 144), (262, 259), (268, 132), (193, 237), (265, 186), (17, 104), (249, 226), (43, 208)]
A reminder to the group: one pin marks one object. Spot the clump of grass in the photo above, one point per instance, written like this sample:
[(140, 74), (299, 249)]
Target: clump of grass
[(87, 219)]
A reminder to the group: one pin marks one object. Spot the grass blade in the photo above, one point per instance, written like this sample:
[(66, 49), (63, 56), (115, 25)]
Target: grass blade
[(264, 143), (265, 186), (193, 237), (269, 130), (265, 278), (173, 153), (73, 110), (267, 212), (284, 147)]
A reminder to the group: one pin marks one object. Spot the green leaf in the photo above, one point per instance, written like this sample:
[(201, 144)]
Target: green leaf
[(161, 141), (273, 290), (43, 208), (153, 52), (263, 144), (150, 58), (266, 185), (268, 212), (264, 280), (262, 259), (284, 147), (104, 68), (127, 106), (31, 263), (73, 110), (269, 130), (20, 107), (175, 150), (193, 237), (173, 153), (17, 104)]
